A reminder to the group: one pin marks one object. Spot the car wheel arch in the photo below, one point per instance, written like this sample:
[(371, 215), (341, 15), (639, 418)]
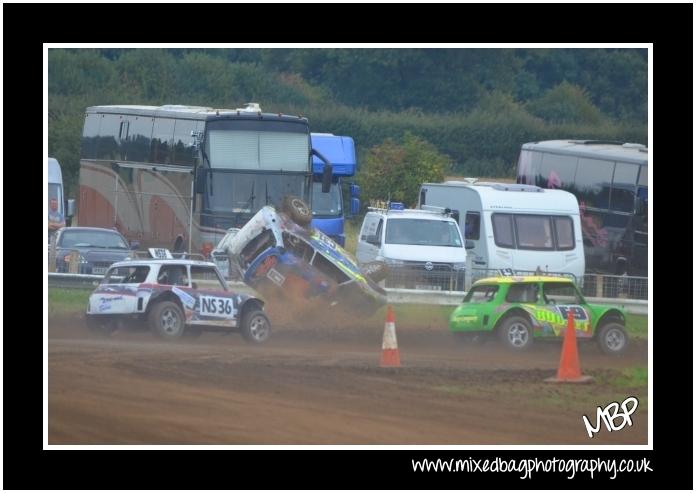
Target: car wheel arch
[(249, 304), (513, 312), (609, 316), (163, 296)]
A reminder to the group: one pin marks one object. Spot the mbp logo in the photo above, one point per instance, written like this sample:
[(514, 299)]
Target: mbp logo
[(609, 415)]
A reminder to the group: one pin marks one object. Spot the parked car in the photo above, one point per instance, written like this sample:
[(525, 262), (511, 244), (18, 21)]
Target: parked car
[(519, 309), (174, 297), (98, 248), (423, 248), (281, 259)]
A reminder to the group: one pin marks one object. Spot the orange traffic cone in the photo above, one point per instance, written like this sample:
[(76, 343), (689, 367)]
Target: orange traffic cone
[(390, 350), (569, 368)]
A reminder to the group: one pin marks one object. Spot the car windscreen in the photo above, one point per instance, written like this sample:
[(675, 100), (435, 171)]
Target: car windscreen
[(237, 192), (326, 204), (430, 232), (92, 239)]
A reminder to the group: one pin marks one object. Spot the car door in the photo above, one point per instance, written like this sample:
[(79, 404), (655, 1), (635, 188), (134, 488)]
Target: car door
[(214, 304)]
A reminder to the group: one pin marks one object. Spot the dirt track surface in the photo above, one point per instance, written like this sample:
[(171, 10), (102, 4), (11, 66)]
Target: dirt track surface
[(311, 387)]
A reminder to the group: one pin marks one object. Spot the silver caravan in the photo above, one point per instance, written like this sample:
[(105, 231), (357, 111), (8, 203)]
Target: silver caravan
[(510, 226)]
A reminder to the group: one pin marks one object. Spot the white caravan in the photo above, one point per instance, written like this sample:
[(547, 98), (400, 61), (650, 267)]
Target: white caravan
[(509, 226)]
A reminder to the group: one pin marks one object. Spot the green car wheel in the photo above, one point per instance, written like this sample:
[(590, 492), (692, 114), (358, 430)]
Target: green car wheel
[(516, 333)]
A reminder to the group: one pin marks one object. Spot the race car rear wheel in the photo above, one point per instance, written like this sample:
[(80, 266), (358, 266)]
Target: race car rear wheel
[(612, 338), (516, 333), (256, 327), (298, 211), (167, 320)]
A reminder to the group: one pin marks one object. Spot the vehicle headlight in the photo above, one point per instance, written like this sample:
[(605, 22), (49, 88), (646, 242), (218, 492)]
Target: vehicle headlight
[(459, 266), (81, 259), (393, 261)]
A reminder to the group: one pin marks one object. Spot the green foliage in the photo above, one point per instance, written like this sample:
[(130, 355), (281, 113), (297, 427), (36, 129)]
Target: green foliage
[(477, 106), (566, 103), (67, 301), (395, 171)]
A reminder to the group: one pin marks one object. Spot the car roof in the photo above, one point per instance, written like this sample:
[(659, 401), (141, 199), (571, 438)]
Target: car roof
[(412, 214), (522, 279), (157, 261)]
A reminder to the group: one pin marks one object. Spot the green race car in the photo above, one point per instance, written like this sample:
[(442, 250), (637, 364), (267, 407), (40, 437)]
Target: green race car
[(518, 309)]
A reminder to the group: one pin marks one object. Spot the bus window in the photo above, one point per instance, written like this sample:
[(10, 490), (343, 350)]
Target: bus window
[(182, 146), (108, 147), (162, 132), (622, 193), (139, 134), (525, 174), (557, 171), (593, 182), (90, 135)]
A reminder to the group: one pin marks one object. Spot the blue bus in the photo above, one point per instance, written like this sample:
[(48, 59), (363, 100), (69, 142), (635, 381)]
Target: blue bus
[(327, 208)]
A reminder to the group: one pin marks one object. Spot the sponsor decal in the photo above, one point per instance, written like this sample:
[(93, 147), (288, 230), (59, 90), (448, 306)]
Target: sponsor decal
[(187, 300)]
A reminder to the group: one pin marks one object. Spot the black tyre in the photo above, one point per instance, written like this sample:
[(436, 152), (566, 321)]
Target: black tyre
[(298, 211), (167, 320), (516, 333), (256, 328), (102, 325), (612, 338), (377, 271)]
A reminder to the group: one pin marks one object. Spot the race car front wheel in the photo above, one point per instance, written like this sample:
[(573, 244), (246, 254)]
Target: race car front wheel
[(256, 327), (612, 338), (167, 320)]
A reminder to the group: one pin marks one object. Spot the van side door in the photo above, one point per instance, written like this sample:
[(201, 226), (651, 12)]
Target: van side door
[(367, 251)]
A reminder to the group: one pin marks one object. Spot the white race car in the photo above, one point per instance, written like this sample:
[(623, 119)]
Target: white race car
[(174, 297)]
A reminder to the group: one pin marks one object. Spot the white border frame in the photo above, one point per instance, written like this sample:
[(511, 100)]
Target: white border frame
[(649, 446)]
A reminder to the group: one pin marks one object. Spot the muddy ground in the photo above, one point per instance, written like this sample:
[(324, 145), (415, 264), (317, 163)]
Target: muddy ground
[(318, 385)]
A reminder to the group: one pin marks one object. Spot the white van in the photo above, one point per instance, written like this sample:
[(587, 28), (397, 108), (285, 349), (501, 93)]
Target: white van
[(510, 226), (56, 200), (423, 249)]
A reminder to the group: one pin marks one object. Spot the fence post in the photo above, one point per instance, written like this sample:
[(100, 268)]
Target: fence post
[(74, 261), (469, 273), (599, 279), (52, 254)]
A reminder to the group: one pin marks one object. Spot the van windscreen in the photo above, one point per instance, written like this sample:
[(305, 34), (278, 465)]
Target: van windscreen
[(428, 232)]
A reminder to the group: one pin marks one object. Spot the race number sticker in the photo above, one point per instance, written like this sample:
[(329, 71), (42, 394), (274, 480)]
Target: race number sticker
[(161, 253), (579, 312), (212, 306), (276, 277)]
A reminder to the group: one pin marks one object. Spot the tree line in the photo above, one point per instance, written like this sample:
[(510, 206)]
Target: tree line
[(475, 107)]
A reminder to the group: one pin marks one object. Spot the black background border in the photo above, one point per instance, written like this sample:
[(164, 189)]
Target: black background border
[(26, 27)]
